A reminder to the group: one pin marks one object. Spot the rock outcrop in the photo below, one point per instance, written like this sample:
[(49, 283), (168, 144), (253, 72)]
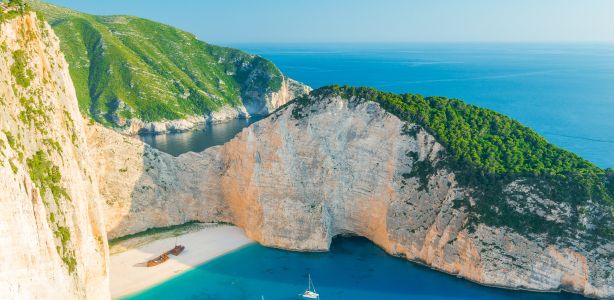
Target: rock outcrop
[(256, 104), (336, 166), (53, 242), (261, 103)]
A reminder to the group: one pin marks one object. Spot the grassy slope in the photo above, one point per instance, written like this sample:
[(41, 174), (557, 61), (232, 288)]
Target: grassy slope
[(487, 151), (158, 71)]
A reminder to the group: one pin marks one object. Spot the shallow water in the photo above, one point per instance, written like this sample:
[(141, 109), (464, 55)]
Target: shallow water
[(564, 92), (353, 269)]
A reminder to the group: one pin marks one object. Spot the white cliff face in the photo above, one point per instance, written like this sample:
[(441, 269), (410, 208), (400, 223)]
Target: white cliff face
[(146, 188), (53, 239), (289, 90), (258, 105), (224, 114), (300, 177)]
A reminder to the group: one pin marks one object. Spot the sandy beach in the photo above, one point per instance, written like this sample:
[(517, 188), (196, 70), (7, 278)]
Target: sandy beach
[(129, 275)]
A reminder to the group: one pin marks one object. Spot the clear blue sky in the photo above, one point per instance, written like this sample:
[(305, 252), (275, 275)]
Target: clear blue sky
[(235, 21)]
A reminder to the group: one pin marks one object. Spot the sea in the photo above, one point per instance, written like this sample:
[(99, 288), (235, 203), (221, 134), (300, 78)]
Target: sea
[(353, 269), (565, 92)]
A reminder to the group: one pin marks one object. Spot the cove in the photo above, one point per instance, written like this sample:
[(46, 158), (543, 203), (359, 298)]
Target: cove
[(199, 139), (564, 92), (353, 269)]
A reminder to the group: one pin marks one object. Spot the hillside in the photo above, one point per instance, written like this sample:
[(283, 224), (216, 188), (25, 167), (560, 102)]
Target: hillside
[(130, 68)]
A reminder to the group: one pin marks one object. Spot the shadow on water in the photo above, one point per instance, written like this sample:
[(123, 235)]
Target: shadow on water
[(203, 137), (353, 269)]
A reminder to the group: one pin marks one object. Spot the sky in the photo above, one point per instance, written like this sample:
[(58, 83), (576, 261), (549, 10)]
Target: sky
[(347, 21)]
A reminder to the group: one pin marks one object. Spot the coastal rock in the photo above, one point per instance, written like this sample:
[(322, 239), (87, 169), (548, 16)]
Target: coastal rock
[(136, 126), (227, 113), (258, 104), (336, 166), (166, 190), (53, 243), (289, 90)]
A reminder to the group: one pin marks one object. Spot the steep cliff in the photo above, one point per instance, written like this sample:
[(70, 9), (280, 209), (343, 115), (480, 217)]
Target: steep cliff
[(138, 75), (337, 163), (53, 239), (461, 189)]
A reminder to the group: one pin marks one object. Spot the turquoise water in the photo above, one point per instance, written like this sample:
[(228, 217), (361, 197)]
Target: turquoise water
[(354, 269), (564, 92)]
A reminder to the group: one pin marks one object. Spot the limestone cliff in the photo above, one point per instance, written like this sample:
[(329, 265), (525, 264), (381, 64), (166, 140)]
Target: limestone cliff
[(262, 102), (256, 103), (332, 166), (51, 224)]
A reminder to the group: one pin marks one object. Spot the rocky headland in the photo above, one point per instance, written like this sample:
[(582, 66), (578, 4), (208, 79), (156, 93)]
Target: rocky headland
[(461, 189), (331, 165)]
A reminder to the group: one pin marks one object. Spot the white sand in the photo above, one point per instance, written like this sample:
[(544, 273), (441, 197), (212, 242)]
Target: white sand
[(129, 274)]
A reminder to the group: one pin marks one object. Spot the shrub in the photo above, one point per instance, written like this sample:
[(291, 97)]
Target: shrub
[(20, 71)]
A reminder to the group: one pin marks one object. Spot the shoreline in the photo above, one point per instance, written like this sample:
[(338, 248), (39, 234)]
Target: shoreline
[(128, 274), (136, 127), (484, 284)]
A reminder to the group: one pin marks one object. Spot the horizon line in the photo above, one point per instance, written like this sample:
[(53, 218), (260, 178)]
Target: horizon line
[(405, 42)]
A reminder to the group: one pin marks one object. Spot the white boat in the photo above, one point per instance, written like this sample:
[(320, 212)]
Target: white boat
[(310, 293)]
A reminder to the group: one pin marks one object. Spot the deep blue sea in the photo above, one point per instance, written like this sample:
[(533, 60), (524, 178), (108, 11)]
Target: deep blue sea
[(564, 92), (354, 269)]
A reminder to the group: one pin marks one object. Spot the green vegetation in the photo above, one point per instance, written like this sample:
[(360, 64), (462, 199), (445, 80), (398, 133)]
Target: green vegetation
[(13, 166), (422, 169), (13, 9), (34, 114), (52, 144), (179, 229), (11, 139), (16, 146), (70, 126), (487, 151), (125, 67), (20, 71), (46, 176), (68, 256)]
